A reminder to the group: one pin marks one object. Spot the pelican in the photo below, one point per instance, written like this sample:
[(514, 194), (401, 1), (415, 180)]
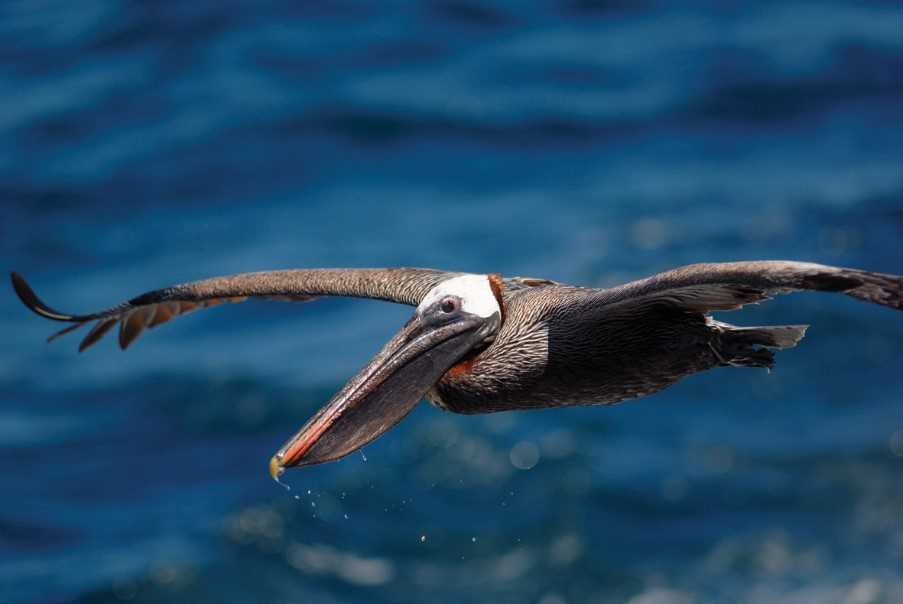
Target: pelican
[(481, 343)]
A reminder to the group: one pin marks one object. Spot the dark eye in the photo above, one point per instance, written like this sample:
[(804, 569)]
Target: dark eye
[(448, 305)]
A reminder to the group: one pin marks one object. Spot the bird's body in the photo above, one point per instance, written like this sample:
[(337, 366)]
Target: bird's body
[(563, 346), (485, 343)]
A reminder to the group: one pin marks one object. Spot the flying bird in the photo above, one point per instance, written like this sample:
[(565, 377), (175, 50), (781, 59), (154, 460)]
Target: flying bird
[(480, 343)]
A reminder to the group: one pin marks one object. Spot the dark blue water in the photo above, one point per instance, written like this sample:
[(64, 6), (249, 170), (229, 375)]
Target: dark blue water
[(590, 142)]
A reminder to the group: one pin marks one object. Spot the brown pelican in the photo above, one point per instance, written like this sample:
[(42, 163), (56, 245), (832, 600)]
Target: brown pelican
[(479, 343)]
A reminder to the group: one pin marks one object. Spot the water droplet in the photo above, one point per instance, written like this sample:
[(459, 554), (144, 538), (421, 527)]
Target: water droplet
[(297, 496), (346, 516), (313, 504), (473, 539), (363, 455), (422, 538)]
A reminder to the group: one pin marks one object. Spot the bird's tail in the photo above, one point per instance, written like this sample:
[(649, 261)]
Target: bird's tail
[(753, 346)]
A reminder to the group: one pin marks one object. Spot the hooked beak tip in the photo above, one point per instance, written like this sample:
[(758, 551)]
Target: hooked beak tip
[(276, 467)]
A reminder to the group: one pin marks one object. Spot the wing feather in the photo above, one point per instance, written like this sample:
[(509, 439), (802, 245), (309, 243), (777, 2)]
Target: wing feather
[(97, 332), (154, 308), (730, 285)]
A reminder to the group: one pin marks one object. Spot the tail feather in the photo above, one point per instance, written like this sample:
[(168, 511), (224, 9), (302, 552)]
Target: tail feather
[(775, 336), (752, 346)]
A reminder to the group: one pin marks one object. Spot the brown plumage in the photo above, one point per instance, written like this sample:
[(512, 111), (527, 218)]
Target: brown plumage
[(547, 344), (153, 308), (580, 346)]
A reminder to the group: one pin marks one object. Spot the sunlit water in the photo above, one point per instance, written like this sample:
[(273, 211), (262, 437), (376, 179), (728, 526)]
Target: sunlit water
[(582, 141)]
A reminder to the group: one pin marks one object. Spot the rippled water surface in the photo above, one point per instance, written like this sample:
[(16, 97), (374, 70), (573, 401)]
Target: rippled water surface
[(592, 142)]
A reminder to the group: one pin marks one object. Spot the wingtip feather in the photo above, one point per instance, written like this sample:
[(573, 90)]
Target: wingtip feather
[(64, 331), (23, 290), (96, 333), (31, 300)]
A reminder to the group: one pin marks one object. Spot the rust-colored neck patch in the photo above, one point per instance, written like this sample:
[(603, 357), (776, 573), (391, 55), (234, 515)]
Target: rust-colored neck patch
[(461, 368)]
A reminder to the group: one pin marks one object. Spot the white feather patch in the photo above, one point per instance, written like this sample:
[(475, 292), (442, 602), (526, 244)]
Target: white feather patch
[(474, 291)]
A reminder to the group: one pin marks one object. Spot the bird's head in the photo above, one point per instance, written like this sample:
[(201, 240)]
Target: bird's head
[(457, 318)]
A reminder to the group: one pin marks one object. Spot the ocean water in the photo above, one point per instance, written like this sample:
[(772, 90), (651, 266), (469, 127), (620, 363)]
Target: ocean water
[(145, 144)]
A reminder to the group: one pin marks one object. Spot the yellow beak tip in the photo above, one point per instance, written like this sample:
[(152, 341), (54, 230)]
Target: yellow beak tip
[(276, 467)]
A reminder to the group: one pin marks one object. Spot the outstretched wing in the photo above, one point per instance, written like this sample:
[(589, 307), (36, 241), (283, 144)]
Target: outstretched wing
[(401, 285), (730, 285)]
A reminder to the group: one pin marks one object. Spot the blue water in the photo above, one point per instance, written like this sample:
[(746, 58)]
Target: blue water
[(590, 142)]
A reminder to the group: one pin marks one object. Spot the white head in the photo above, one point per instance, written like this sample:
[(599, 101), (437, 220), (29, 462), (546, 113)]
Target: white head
[(474, 292)]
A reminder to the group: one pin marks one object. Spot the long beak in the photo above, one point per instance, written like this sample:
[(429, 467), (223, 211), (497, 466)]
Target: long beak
[(381, 394)]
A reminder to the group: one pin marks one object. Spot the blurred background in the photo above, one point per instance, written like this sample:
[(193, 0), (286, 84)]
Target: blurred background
[(145, 144)]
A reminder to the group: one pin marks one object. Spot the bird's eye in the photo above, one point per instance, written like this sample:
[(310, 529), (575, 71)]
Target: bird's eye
[(448, 305)]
